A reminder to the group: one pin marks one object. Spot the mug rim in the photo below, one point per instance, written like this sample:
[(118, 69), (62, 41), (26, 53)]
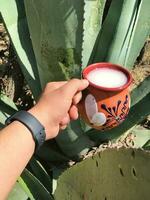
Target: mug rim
[(109, 65)]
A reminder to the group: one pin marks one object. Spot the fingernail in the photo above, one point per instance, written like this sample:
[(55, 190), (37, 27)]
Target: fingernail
[(63, 127), (85, 82)]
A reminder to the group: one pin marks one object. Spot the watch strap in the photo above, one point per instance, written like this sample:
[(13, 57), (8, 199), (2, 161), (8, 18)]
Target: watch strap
[(36, 128)]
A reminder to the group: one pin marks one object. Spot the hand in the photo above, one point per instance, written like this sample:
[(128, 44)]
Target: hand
[(55, 108), (57, 105)]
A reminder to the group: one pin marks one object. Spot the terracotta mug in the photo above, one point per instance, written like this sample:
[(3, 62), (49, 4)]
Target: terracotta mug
[(101, 107)]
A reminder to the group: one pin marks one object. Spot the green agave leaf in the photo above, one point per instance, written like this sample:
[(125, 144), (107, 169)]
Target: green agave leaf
[(7, 108), (93, 13), (141, 137), (123, 33), (16, 25), (18, 193), (146, 146), (140, 92), (37, 189), (57, 43), (25, 188), (51, 153), (141, 31), (107, 32), (73, 142), (56, 38), (137, 113), (40, 173), (120, 43), (111, 174)]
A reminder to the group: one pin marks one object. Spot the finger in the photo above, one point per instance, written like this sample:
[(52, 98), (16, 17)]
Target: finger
[(65, 120), (51, 86), (77, 98), (73, 86), (63, 127), (73, 112)]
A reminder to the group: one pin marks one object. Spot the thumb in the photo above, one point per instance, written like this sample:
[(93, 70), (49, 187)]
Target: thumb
[(75, 85)]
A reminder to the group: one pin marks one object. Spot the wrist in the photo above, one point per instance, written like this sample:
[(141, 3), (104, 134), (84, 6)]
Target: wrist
[(51, 127), (23, 132), (36, 129), (40, 116)]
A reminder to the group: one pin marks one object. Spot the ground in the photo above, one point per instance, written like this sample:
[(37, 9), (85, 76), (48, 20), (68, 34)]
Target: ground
[(142, 66), (12, 81)]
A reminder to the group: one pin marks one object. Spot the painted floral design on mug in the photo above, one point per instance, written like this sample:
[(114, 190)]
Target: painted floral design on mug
[(104, 108), (96, 118)]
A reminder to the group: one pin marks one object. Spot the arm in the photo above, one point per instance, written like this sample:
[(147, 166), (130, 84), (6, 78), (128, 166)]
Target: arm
[(56, 107)]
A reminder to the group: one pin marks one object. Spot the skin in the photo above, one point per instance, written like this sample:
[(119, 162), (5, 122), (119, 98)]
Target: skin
[(55, 108)]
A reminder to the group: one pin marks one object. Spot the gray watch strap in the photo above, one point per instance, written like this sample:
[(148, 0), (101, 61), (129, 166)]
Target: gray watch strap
[(35, 127)]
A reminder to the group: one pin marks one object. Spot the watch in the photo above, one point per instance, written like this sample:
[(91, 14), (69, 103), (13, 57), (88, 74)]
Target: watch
[(36, 128)]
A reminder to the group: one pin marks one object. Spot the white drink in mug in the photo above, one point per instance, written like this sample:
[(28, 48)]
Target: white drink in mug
[(107, 77)]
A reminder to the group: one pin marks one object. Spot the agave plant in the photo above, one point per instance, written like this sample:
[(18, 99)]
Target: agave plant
[(55, 40)]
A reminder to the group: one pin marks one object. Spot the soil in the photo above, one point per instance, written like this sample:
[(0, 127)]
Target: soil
[(141, 69), (12, 82)]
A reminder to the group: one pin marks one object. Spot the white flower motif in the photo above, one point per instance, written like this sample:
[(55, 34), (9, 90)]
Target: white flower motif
[(99, 119), (90, 106), (95, 117)]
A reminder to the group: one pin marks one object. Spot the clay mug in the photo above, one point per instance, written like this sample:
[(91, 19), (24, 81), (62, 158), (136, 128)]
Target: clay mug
[(102, 107)]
